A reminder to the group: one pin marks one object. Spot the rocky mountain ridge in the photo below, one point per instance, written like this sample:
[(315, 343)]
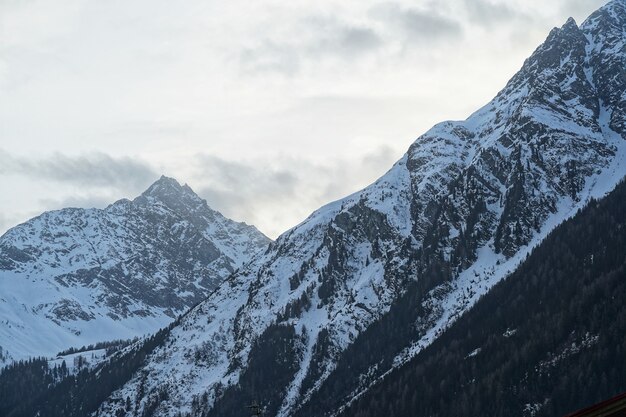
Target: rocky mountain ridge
[(73, 277), (454, 216), (398, 262)]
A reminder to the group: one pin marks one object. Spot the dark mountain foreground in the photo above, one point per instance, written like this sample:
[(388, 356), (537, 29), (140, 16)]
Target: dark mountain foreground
[(546, 341)]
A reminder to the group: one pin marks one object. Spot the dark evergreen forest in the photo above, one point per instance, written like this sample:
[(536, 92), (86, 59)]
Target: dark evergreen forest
[(548, 340), (31, 388)]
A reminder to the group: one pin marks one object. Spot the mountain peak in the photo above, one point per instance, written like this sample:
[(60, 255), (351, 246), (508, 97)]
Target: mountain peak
[(129, 268), (163, 185), (570, 28), (570, 24), (169, 192), (168, 187)]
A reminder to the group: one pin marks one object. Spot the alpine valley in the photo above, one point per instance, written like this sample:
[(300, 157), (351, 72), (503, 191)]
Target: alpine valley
[(358, 293), (77, 277)]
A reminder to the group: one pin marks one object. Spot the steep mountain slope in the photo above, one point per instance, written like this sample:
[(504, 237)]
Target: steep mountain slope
[(367, 282), (548, 340), (77, 276)]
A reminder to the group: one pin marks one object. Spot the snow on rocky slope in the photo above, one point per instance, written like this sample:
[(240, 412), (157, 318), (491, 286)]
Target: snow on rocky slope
[(449, 220), (74, 277)]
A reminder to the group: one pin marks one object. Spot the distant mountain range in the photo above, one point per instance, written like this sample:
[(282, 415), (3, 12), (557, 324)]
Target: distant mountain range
[(74, 277), (361, 293)]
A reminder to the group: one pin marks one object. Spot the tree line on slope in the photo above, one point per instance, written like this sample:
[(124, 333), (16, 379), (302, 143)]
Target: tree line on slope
[(30, 388), (110, 345)]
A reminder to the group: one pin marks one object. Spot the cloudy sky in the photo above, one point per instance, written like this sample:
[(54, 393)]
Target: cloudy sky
[(268, 109)]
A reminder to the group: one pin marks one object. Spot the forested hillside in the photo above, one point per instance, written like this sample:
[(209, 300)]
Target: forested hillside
[(35, 388), (548, 340)]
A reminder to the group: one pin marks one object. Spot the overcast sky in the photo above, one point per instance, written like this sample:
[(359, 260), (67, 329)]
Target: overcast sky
[(268, 109)]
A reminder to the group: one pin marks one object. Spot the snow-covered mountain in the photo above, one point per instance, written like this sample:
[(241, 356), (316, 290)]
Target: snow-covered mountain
[(366, 282), (77, 276)]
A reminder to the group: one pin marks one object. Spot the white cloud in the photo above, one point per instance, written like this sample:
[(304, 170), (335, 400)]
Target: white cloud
[(278, 193), (489, 13), (90, 170), (288, 92), (421, 25)]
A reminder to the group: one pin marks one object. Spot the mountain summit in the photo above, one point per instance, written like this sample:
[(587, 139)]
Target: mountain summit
[(77, 276), (169, 192)]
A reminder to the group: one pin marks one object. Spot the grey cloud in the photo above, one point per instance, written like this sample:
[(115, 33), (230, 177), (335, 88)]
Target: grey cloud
[(488, 14), (247, 178), (238, 189), (418, 25), (5, 223), (327, 38), (382, 158), (89, 201), (343, 177), (581, 7), (358, 40), (334, 37), (93, 169), (250, 191), (274, 193), (285, 189), (270, 56)]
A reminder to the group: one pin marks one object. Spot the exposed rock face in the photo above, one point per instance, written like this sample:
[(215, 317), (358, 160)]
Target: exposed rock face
[(76, 276), (366, 282)]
